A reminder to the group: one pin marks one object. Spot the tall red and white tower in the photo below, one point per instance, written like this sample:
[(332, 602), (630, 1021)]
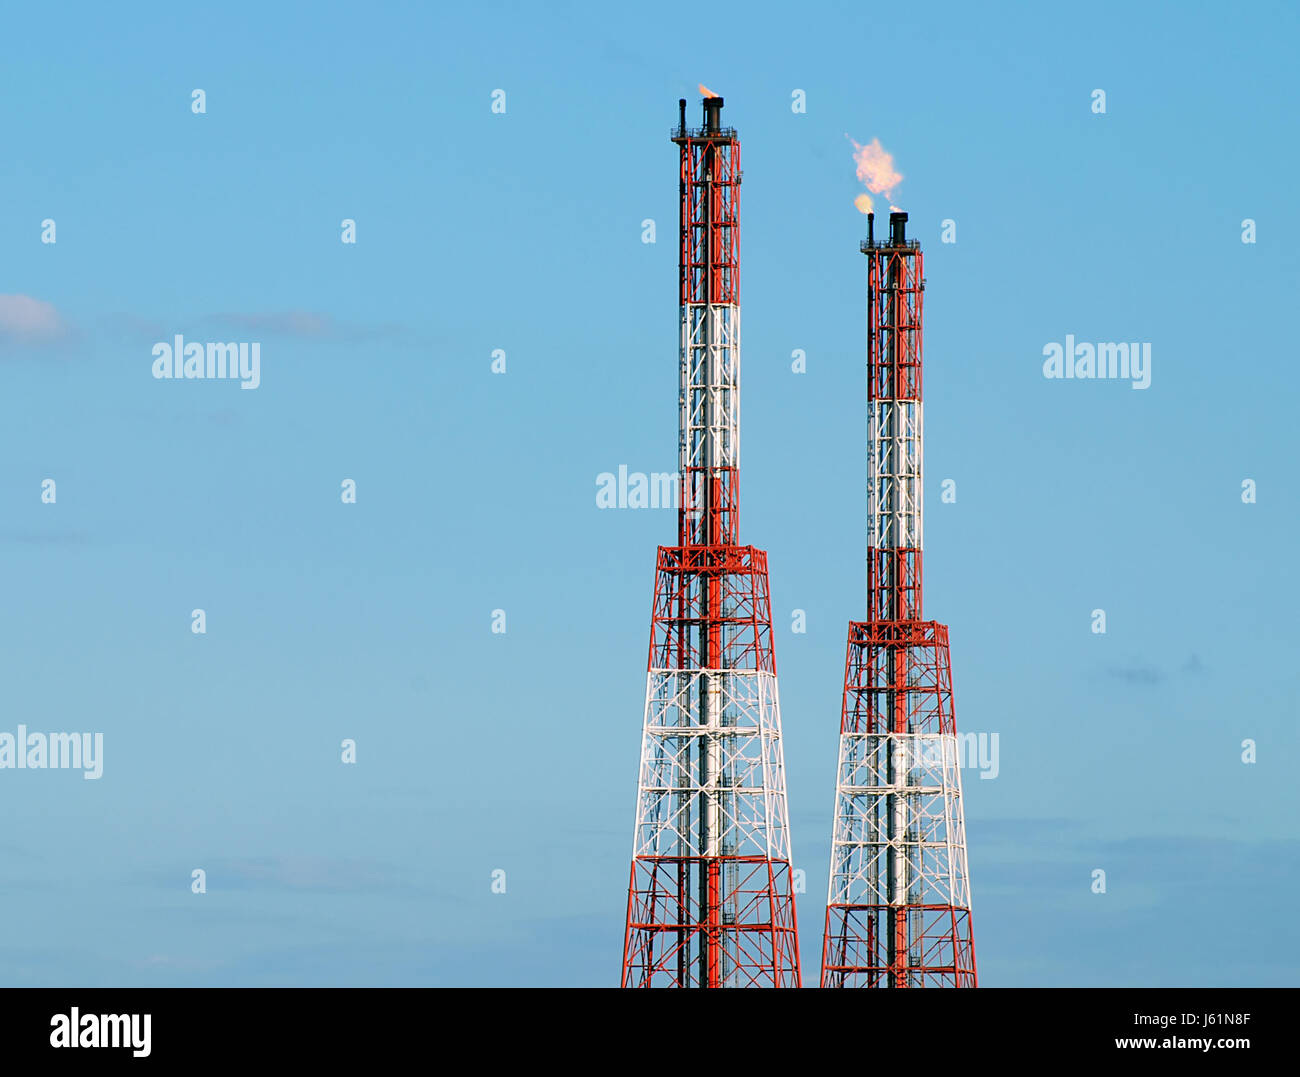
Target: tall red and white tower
[(710, 903), (898, 913)]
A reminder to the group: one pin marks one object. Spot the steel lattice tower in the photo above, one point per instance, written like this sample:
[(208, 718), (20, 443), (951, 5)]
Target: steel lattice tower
[(898, 912), (710, 902)]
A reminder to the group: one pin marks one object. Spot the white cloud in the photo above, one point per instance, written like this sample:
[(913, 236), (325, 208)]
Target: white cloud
[(21, 315)]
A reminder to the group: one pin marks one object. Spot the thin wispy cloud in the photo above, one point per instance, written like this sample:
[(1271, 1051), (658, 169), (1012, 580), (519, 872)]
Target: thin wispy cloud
[(289, 323), (1145, 673), (307, 325), (134, 327), (22, 315), (1136, 674), (309, 873), (27, 322), (178, 962)]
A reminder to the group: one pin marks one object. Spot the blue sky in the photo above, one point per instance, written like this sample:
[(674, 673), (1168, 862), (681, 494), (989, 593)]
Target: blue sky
[(522, 232)]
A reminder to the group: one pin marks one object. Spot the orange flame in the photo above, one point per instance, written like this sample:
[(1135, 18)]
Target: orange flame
[(875, 169), (706, 91)]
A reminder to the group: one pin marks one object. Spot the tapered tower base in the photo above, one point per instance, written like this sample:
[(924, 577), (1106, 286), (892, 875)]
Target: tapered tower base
[(711, 898), (899, 908)]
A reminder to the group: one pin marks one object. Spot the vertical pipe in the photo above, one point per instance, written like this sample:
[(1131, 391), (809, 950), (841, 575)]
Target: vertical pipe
[(708, 399), (708, 612), (884, 452)]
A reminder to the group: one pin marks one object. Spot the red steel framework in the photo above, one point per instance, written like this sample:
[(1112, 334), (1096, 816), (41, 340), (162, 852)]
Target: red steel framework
[(898, 912), (710, 899)]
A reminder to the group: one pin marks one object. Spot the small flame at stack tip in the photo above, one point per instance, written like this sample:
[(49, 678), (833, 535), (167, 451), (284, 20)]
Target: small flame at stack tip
[(706, 91), (875, 170)]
